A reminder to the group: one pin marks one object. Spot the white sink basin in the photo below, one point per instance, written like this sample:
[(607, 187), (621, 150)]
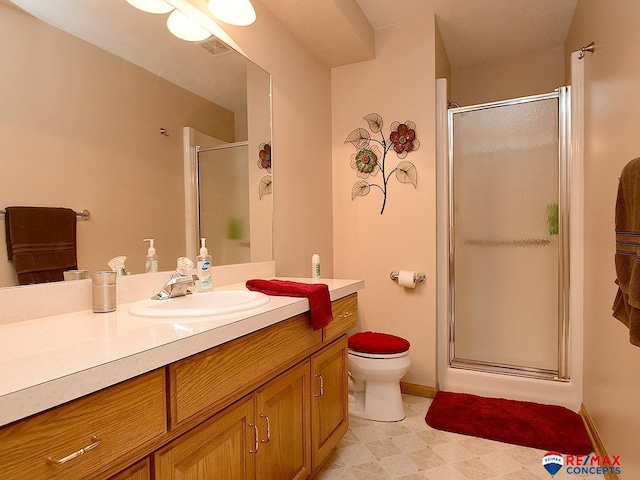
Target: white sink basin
[(200, 304)]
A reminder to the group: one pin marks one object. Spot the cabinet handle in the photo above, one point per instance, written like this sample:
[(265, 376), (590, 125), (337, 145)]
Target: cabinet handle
[(95, 443), (256, 442), (319, 377), (268, 428), (345, 315)]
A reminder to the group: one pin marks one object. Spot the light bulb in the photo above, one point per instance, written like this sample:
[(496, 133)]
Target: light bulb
[(185, 28), (233, 12), (151, 6)]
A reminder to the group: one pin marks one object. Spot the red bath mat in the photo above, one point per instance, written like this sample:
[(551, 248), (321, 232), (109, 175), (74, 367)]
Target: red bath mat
[(547, 427)]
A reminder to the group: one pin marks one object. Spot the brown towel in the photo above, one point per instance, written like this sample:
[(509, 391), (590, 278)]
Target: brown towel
[(41, 242), (626, 306)]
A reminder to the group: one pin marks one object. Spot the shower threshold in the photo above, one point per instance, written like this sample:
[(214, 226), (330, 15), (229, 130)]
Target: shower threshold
[(505, 369)]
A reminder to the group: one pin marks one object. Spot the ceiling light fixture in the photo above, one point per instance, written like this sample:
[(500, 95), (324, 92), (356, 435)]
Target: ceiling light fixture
[(185, 28), (234, 12), (151, 6)]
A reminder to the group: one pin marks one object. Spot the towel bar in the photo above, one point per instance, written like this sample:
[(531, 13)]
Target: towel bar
[(524, 242), (83, 215)]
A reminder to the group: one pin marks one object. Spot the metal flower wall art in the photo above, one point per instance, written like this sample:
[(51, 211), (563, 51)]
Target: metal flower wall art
[(371, 156), (264, 161)]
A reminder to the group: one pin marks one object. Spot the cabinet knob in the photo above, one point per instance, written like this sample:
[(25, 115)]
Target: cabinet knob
[(345, 315)]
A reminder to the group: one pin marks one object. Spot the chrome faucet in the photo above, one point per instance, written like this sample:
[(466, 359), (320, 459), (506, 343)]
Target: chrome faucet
[(177, 286)]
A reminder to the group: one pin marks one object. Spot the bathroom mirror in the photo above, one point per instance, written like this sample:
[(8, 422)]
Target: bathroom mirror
[(96, 98)]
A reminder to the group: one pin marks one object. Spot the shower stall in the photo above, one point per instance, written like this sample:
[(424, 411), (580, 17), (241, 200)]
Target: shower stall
[(504, 191), (508, 248)]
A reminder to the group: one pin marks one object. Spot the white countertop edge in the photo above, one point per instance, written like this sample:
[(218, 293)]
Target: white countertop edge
[(40, 397)]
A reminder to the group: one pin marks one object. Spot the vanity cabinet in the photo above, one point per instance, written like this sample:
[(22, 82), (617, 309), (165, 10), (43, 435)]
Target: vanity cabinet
[(270, 405)]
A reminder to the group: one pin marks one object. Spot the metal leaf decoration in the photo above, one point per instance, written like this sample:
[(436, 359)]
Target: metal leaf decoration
[(406, 172), (360, 189), (265, 186), (369, 159), (375, 122), (359, 138)]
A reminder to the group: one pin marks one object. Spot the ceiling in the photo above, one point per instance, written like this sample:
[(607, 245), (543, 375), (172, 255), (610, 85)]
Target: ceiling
[(339, 32), (473, 31)]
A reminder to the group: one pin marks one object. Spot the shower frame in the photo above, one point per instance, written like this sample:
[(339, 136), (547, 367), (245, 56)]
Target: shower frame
[(562, 373)]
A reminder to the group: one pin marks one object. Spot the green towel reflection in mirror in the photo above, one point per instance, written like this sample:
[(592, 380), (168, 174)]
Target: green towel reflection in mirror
[(235, 229), (552, 218)]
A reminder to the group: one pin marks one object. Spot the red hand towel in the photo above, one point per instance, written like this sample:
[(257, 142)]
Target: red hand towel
[(317, 293)]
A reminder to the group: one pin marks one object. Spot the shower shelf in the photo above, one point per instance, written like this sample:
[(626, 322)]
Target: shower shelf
[(524, 242)]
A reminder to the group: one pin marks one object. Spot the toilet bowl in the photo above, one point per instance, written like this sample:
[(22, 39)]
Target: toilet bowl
[(377, 362)]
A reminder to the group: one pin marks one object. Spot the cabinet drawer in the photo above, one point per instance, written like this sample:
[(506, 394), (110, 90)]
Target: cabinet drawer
[(207, 382), (345, 316), (102, 429)]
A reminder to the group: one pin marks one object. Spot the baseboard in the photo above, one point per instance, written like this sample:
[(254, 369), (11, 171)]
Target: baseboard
[(418, 390), (596, 441)]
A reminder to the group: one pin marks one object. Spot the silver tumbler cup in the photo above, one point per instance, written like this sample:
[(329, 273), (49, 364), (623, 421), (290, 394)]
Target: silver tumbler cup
[(104, 291)]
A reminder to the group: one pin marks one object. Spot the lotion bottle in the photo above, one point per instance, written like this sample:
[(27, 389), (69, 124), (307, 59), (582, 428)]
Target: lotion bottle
[(205, 282), (315, 268), (151, 263)]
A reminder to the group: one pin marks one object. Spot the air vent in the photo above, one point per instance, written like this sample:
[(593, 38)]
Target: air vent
[(216, 47)]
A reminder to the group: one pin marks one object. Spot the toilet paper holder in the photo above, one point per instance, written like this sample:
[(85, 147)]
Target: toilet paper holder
[(418, 277)]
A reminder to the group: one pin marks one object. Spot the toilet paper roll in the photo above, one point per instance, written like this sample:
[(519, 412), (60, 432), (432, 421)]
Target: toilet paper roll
[(406, 279)]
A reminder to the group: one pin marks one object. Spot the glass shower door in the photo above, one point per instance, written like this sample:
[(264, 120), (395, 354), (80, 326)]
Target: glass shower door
[(223, 195), (507, 305)]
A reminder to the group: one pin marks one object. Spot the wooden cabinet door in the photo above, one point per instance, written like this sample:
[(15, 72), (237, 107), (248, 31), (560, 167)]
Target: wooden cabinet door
[(283, 416), (329, 403), (220, 448), (139, 471)]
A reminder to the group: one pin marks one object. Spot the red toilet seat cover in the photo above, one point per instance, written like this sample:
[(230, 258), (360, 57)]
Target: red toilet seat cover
[(375, 342)]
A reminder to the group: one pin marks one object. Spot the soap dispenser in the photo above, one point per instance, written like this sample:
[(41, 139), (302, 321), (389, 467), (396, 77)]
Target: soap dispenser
[(151, 263), (205, 282)]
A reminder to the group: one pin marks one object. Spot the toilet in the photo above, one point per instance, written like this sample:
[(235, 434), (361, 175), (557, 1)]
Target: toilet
[(377, 362)]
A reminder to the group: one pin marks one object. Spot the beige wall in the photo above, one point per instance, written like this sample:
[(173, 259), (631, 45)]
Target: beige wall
[(301, 141), (612, 119), (367, 244), (81, 130), (512, 77), (443, 68)]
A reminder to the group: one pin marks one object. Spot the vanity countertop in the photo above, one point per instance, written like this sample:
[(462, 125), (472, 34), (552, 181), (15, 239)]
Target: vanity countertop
[(48, 361)]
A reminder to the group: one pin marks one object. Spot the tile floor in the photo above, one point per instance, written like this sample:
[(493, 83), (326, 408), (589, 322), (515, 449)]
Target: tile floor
[(412, 450)]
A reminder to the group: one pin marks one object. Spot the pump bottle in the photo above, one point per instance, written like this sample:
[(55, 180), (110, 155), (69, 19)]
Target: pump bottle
[(151, 263), (205, 282), (315, 268)]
